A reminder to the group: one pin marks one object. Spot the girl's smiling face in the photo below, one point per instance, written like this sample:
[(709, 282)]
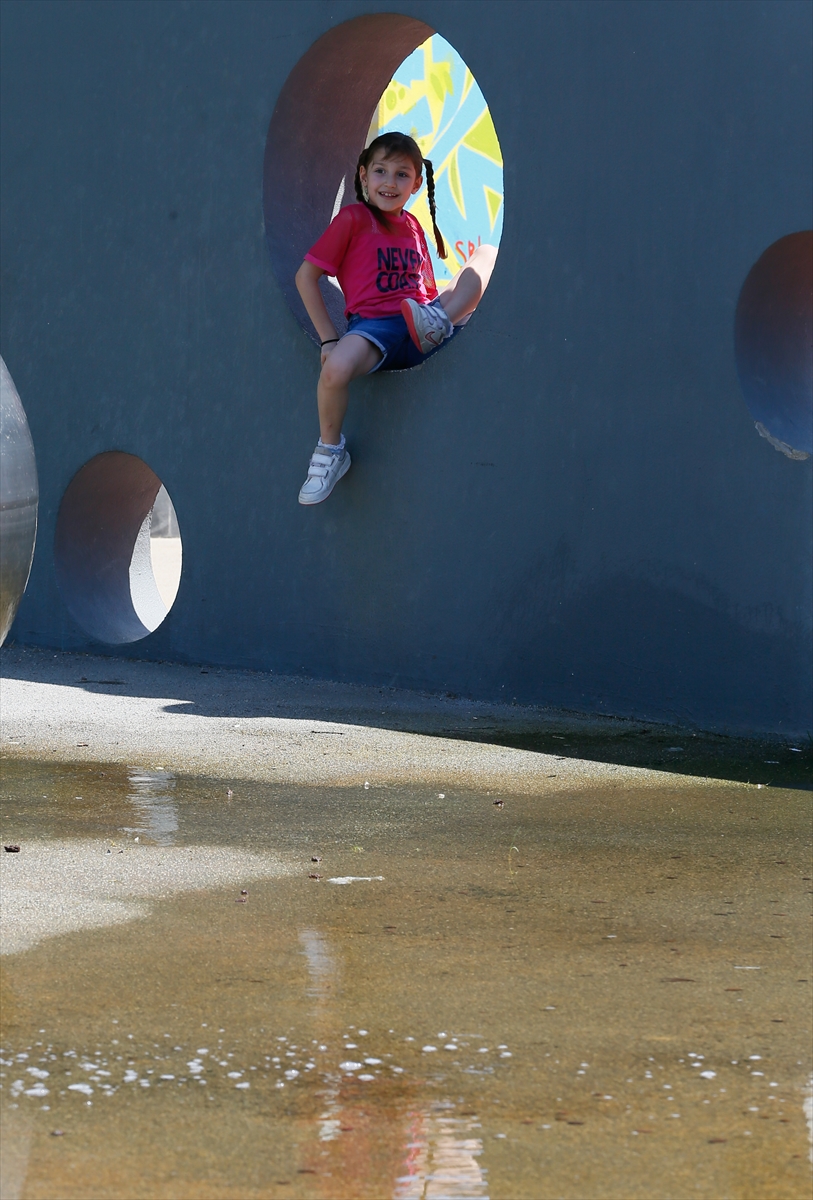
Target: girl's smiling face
[(390, 182)]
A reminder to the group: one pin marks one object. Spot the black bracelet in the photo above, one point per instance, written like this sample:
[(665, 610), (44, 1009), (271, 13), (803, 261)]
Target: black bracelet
[(327, 342)]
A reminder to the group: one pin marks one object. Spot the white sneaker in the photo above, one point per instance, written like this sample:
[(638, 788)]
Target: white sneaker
[(324, 472), (428, 324)]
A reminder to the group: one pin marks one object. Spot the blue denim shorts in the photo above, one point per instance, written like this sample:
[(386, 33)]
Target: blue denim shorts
[(391, 335)]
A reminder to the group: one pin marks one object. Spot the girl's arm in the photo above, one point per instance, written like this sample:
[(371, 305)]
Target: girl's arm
[(307, 284)]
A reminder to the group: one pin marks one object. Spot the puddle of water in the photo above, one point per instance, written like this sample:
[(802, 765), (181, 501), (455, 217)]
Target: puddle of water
[(576, 995)]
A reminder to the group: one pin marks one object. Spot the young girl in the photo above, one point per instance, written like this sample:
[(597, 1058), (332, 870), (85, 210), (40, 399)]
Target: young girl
[(396, 319)]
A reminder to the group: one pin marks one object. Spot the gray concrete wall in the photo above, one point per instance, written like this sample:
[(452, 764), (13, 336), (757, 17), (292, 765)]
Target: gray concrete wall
[(569, 505)]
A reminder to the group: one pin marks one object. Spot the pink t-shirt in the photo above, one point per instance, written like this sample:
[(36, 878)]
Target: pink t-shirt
[(376, 270)]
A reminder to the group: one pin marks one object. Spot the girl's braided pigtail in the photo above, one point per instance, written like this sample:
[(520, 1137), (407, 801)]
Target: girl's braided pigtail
[(362, 162), (430, 195)]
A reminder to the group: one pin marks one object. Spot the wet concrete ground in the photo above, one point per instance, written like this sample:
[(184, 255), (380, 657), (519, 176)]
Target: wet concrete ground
[(601, 990)]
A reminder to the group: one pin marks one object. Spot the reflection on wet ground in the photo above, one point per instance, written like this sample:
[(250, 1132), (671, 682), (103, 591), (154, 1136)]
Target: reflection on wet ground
[(603, 993), (150, 794)]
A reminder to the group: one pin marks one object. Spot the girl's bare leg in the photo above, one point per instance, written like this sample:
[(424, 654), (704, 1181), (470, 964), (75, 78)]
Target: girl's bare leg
[(349, 358), (465, 291)]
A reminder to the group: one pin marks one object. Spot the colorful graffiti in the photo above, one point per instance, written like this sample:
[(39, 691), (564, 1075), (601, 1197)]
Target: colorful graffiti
[(434, 97)]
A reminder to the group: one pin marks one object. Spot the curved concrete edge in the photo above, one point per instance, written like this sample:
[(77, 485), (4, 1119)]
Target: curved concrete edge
[(200, 721), (19, 501), (318, 126), (102, 512)]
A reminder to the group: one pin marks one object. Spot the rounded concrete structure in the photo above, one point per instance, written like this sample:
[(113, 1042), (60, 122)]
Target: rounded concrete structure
[(19, 497), (774, 343), (102, 549), (317, 131), (568, 506)]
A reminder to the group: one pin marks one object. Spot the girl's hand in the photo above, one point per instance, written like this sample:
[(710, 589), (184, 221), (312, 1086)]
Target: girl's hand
[(327, 350)]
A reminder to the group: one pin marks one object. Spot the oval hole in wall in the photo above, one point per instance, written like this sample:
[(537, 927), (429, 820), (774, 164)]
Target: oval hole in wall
[(118, 550), (373, 74), (773, 339)]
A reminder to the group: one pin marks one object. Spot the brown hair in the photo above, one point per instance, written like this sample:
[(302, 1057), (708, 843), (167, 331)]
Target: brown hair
[(393, 144)]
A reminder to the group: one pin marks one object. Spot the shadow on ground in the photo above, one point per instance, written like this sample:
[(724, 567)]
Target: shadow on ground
[(217, 692), (714, 756)]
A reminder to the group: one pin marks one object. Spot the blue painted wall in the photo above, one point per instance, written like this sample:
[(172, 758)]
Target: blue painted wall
[(569, 505)]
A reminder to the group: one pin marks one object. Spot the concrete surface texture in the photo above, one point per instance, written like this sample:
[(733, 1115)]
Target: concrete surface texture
[(570, 504), (60, 888)]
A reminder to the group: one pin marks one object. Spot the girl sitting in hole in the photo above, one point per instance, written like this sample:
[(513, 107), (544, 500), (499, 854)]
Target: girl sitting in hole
[(396, 318)]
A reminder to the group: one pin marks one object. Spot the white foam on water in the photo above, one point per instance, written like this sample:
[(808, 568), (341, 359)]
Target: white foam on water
[(357, 879)]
